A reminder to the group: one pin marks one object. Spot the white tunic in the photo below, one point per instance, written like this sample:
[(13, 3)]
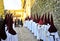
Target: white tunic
[(39, 32), (44, 32), (56, 36), (35, 29), (31, 24), (24, 24), (27, 23), (32, 27), (10, 37)]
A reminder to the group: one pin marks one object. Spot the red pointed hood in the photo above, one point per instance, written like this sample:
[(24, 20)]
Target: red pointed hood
[(52, 23), (37, 15), (38, 19), (34, 18), (9, 26), (41, 20), (52, 27), (48, 18), (45, 19), (42, 17)]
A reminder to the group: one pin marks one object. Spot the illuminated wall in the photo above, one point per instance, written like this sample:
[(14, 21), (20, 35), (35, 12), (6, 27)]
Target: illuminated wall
[(23, 12), (28, 6), (1, 7), (12, 4)]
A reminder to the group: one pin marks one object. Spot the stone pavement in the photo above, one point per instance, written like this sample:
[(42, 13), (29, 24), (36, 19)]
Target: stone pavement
[(24, 34)]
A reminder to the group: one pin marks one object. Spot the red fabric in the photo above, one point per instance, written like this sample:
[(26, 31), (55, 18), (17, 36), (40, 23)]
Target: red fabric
[(41, 22), (48, 18), (38, 19), (52, 27), (10, 25), (42, 16)]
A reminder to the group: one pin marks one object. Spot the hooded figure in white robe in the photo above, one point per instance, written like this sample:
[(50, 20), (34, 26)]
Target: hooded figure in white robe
[(11, 34), (39, 31), (25, 22), (53, 31)]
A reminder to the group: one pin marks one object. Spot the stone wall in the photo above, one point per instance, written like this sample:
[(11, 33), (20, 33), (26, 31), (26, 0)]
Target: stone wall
[(45, 6)]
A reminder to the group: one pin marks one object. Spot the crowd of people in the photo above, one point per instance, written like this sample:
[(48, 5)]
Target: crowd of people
[(7, 32), (18, 22), (42, 27)]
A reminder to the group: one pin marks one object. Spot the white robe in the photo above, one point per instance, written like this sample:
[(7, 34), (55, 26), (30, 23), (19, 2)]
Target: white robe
[(24, 24), (56, 36), (35, 29), (28, 24), (39, 31), (44, 32), (31, 24), (32, 27), (50, 38), (10, 37)]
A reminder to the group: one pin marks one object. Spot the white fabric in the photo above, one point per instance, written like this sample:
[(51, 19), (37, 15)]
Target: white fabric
[(31, 24), (32, 27), (5, 29), (39, 32), (35, 29), (27, 23), (10, 37), (47, 34), (56, 36), (43, 32)]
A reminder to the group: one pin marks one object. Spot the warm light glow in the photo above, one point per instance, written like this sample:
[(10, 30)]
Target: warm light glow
[(1, 7), (12, 4), (16, 8)]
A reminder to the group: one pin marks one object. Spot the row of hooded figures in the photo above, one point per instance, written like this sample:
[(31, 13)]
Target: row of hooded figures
[(18, 22), (43, 27), (7, 32)]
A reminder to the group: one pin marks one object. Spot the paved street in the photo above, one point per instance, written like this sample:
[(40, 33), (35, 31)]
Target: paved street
[(24, 34)]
